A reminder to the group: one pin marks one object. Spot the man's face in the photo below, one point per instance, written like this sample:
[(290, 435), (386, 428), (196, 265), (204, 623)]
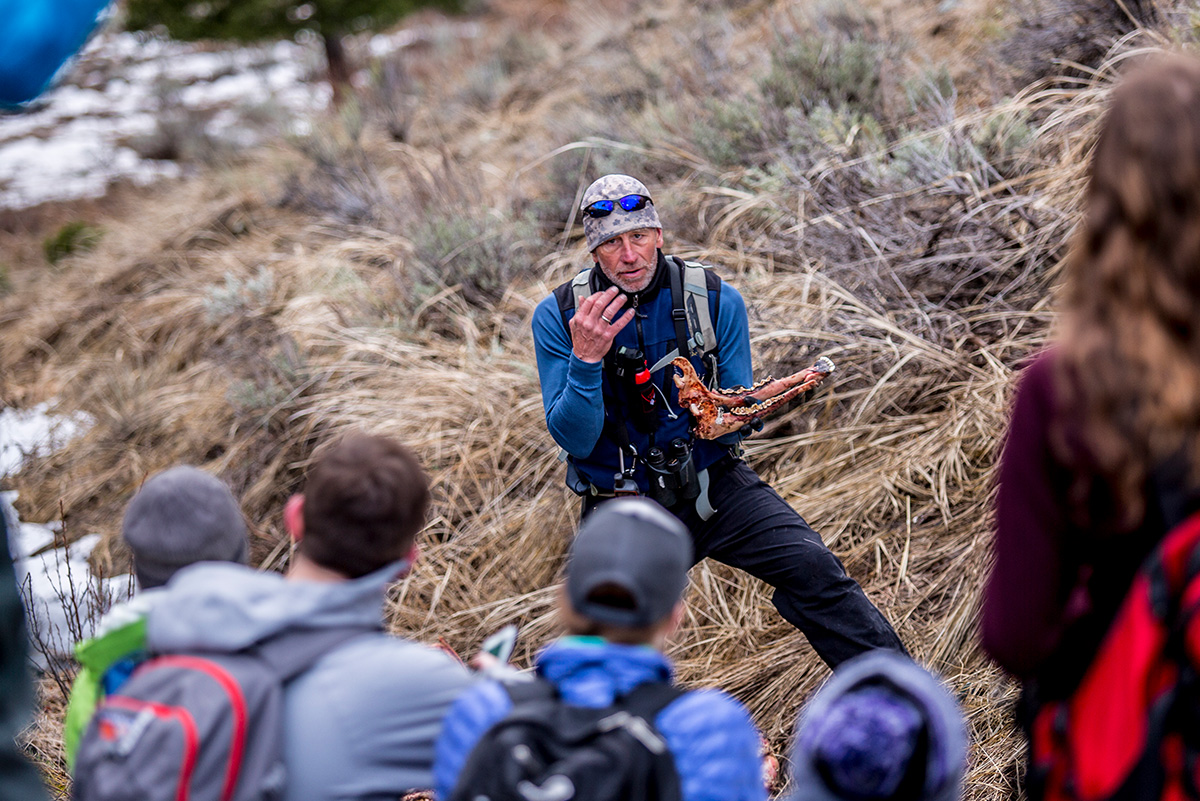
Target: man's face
[(629, 259)]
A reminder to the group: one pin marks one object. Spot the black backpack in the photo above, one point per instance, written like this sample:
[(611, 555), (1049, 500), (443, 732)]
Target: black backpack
[(548, 750)]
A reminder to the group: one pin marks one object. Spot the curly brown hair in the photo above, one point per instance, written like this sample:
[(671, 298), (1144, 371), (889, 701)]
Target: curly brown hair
[(1129, 365)]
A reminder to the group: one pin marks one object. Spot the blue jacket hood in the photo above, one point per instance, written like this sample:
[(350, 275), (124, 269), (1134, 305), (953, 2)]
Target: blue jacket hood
[(591, 672)]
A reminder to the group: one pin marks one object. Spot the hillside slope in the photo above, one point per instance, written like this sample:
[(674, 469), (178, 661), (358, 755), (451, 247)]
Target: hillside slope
[(892, 187)]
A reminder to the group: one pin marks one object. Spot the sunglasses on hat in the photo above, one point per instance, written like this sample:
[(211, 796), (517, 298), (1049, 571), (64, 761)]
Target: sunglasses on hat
[(603, 208)]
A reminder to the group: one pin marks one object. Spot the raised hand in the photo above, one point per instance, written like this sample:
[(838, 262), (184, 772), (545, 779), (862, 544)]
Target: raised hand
[(596, 323)]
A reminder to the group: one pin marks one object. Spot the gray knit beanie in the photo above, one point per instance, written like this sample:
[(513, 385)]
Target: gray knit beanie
[(599, 230), (182, 516)]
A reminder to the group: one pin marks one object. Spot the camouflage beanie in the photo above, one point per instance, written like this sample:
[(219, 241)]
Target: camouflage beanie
[(599, 230)]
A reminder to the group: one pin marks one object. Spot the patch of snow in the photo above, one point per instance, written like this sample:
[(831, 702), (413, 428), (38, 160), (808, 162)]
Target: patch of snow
[(26, 432), (80, 137), (63, 600)]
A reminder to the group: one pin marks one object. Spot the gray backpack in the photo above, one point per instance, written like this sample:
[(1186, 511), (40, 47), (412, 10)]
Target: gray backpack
[(198, 727)]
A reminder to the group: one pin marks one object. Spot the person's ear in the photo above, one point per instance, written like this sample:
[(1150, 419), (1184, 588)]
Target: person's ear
[(659, 244), (676, 618), (293, 517)]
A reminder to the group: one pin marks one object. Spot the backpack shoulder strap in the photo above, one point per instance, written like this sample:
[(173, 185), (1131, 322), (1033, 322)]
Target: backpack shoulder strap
[(697, 281), (524, 691), (294, 652), (647, 700), (571, 293), (690, 284), (679, 307)]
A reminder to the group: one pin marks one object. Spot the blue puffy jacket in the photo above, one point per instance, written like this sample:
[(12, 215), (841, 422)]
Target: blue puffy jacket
[(573, 391), (713, 741), (36, 38)]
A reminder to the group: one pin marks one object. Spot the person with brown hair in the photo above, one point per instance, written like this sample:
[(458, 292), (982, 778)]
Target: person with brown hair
[(362, 720), (1103, 445)]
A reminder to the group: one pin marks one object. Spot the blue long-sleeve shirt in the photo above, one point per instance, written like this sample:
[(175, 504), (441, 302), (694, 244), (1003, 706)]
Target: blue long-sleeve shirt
[(710, 735), (573, 391)]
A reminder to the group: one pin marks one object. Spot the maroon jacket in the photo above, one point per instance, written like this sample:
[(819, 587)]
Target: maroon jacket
[(1054, 588)]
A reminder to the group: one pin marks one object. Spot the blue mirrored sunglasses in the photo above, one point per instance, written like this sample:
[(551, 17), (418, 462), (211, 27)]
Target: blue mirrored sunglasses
[(603, 208)]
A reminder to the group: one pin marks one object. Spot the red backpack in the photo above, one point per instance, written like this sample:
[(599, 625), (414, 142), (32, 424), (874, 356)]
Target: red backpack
[(1131, 730)]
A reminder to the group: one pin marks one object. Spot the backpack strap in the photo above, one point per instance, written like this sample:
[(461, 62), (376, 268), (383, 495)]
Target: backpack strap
[(293, 652), (570, 294), (690, 284), (648, 699), (696, 280), (530, 689), (679, 315)]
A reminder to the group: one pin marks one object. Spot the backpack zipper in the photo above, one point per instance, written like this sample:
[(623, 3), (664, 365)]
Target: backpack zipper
[(186, 724)]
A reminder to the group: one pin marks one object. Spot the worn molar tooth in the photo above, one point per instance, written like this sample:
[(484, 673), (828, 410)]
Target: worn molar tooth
[(824, 365)]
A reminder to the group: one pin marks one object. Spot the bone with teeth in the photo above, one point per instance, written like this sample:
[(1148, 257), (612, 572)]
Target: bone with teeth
[(718, 412)]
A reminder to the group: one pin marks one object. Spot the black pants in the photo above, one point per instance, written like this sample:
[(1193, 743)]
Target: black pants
[(756, 531)]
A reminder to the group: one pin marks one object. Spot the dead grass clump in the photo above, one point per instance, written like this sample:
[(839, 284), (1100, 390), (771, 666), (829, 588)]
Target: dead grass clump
[(339, 183), (1072, 38)]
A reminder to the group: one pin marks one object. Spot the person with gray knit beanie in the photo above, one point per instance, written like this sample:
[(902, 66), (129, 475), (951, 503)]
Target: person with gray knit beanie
[(605, 341), (611, 191), (179, 517)]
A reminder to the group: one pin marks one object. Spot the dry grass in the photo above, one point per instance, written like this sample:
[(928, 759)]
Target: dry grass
[(241, 321)]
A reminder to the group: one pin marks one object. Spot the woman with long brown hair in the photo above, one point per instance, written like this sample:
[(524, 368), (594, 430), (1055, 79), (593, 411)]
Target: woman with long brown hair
[(1103, 447)]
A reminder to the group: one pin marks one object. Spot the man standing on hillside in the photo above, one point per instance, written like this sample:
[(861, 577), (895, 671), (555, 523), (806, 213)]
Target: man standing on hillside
[(362, 721), (604, 342)]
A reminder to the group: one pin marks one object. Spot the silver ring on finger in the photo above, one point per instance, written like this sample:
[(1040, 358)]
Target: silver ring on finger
[(605, 319)]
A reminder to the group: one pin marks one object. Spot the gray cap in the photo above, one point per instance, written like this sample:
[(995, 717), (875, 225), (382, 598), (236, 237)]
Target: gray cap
[(882, 728), (599, 230), (637, 546), (181, 516)]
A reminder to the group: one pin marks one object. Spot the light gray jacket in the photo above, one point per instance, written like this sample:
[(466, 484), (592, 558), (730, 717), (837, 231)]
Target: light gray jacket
[(362, 721)]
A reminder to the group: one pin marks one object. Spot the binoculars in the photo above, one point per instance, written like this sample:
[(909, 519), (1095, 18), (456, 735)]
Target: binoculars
[(672, 474)]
